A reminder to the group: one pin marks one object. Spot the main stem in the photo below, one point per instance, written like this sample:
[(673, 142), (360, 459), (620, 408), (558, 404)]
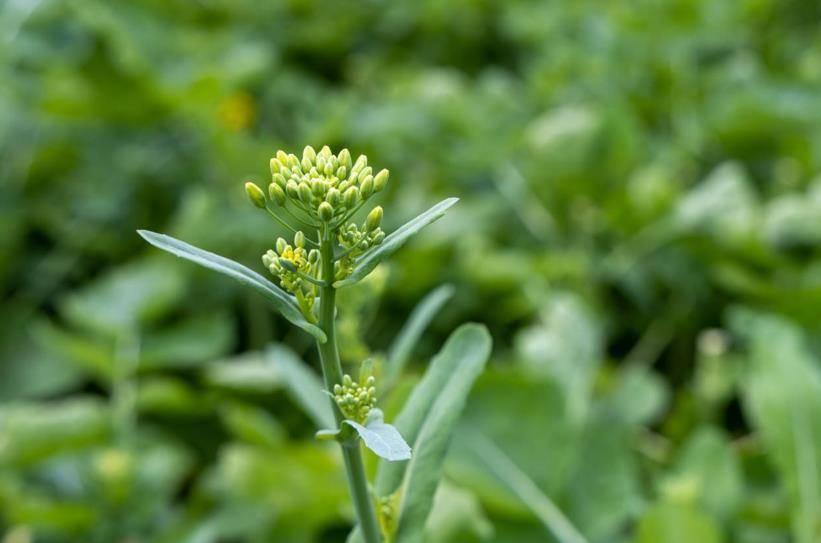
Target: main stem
[(332, 372)]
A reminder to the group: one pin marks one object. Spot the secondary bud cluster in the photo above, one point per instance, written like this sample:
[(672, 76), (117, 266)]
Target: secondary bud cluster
[(292, 264), (356, 241), (356, 400), (322, 185)]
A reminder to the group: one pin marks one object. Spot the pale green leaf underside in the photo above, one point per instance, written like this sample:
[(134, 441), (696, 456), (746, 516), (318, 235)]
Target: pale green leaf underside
[(367, 262), (283, 302), (383, 439)]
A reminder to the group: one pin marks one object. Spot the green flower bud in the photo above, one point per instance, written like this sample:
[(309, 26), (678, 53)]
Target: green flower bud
[(345, 158), (308, 154), (279, 179), (370, 381), (337, 389), (380, 180), (374, 219), (326, 152), (313, 256), (342, 172), (320, 163), (292, 189), (275, 166), (293, 161), (299, 239), (282, 156), (317, 187), (281, 245), (305, 193), (361, 162), (255, 194), (346, 380), (276, 194), (329, 169), (366, 171), (286, 172), (351, 196), (325, 211), (306, 164), (333, 197), (379, 238), (366, 188)]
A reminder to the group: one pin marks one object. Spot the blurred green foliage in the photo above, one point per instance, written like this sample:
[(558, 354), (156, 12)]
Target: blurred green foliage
[(639, 227)]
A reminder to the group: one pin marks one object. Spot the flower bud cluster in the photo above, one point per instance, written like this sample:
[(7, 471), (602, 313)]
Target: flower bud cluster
[(356, 400), (322, 185), (355, 241), (292, 264)]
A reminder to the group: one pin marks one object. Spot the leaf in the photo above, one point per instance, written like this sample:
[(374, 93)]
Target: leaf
[(409, 336), (282, 301), (454, 370), (367, 262), (523, 487), (671, 523), (383, 439), (470, 346), (783, 402), (304, 386)]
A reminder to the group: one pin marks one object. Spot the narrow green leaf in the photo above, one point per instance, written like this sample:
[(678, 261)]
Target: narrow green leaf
[(282, 301), (470, 346), (304, 385), (409, 336), (367, 262), (452, 371), (520, 484), (383, 439)]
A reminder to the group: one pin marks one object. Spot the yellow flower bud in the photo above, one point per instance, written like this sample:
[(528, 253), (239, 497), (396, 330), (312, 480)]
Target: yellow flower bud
[(325, 211), (276, 194), (275, 166), (292, 189), (380, 180), (255, 194), (374, 219), (366, 188), (333, 197), (308, 154), (351, 196), (282, 156), (305, 193), (361, 162)]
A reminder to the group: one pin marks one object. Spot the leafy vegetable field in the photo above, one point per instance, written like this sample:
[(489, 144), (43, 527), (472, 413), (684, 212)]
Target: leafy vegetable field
[(638, 229)]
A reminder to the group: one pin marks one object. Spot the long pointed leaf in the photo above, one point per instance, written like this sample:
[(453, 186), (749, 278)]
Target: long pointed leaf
[(367, 262), (471, 345), (278, 297), (419, 319)]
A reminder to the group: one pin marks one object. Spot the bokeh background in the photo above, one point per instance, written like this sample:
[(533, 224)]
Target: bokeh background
[(639, 228)]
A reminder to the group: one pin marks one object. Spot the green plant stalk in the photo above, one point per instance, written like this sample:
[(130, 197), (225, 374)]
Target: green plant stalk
[(332, 373)]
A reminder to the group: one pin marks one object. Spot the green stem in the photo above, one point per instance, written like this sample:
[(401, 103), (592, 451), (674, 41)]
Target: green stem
[(332, 373)]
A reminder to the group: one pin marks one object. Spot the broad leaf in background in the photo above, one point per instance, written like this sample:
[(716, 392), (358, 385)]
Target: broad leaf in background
[(304, 386), (367, 262), (565, 344), (281, 301), (783, 401), (673, 523), (125, 298), (383, 439)]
